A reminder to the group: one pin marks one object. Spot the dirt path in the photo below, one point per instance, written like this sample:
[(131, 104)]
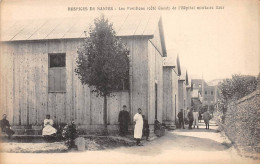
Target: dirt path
[(179, 146)]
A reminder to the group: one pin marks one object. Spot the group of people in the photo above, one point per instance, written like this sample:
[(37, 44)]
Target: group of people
[(48, 129), (141, 127), (193, 118)]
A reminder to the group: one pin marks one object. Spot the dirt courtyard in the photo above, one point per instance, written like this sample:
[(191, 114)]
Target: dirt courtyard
[(178, 146)]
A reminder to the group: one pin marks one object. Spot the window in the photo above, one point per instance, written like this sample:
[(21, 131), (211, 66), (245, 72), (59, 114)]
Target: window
[(206, 92), (211, 92), (57, 72)]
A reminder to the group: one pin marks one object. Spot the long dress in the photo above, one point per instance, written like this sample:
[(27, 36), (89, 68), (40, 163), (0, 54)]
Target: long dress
[(138, 132), (48, 129), (196, 118)]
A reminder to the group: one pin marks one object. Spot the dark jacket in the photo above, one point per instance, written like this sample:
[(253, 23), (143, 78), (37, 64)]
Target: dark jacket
[(180, 116), (190, 116), (5, 124), (124, 117)]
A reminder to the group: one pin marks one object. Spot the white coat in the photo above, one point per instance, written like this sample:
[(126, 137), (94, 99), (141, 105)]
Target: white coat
[(196, 118), (138, 132), (48, 129)]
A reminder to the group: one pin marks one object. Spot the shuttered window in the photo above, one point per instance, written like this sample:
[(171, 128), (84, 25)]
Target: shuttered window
[(57, 73)]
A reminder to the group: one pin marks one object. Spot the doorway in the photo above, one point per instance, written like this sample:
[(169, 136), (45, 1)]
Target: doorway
[(156, 101)]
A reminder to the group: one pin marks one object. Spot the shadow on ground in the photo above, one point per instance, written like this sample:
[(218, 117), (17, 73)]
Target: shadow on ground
[(179, 141)]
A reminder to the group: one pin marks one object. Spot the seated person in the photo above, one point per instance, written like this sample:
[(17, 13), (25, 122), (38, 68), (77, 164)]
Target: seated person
[(146, 130), (48, 129), (5, 127)]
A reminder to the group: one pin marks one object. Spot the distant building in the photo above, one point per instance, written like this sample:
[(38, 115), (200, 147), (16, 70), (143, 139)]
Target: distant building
[(208, 93), (196, 100)]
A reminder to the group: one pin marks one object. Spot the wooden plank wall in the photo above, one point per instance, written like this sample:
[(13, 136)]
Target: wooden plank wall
[(24, 87), (168, 94), (139, 74), (6, 84), (175, 92), (188, 91), (180, 94), (155, 69)]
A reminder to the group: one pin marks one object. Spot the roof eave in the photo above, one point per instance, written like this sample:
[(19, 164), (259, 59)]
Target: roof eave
[(169, 66), (122, 36), (162, 38)]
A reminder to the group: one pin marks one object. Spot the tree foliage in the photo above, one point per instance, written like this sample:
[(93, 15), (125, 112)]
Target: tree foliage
[(237, 87), (233, 89), (103, 59), (103, 62)]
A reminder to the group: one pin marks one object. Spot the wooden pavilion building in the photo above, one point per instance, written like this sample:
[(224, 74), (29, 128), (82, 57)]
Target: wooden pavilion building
[(37, 63)]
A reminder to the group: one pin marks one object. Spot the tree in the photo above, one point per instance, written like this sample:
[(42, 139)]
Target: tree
[(233, 89), (103, 61)]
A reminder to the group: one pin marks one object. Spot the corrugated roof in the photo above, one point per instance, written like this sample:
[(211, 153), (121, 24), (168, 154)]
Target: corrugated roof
[(64, 28)]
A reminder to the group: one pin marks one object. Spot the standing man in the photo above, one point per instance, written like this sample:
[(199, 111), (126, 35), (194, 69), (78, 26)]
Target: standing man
[(180, 117), (196, 119), (190, 117), (138, 132), (5, 126), (206, 117), (123, 120)]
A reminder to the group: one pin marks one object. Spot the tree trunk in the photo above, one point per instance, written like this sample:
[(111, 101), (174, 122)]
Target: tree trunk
[(105, 131)]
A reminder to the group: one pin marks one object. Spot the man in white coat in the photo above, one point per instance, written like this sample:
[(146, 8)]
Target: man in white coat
[(138, 131), (196, 118)]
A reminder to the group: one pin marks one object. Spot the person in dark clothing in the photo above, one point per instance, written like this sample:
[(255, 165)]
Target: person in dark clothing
[(191, 119), (200, 116), (180, 117), (123, 120), (5, 126), (146, 130)]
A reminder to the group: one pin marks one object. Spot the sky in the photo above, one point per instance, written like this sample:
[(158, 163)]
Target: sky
[(211, 44)]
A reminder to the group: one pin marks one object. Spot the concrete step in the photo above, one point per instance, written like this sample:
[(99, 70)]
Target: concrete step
[(170, 125), (28, 131), (27, 127), (23, 138)]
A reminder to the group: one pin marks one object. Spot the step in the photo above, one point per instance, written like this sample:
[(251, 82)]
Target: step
[(28, 131), (170, 125), (23, 139), (37, 127)]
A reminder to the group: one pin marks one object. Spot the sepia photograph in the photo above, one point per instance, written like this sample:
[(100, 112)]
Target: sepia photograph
[(130, 82)]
